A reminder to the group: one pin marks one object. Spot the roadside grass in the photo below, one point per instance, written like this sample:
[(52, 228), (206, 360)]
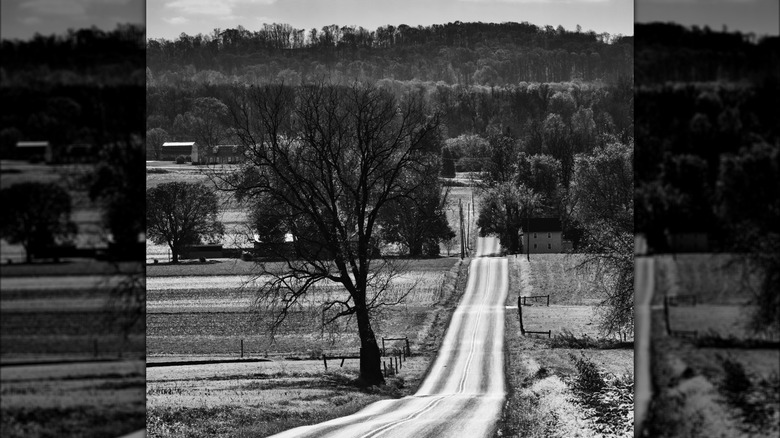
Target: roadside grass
[(723, 382), (544, 374), (95, 399), (695, 397), (263, 398), (559, 276)]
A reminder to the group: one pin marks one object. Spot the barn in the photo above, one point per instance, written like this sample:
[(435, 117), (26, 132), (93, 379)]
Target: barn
[(220, 154), (33, 151), (172, 149)]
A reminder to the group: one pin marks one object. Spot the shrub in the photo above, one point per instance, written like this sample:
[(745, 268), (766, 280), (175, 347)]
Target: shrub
[(181, 159), (588, 379)]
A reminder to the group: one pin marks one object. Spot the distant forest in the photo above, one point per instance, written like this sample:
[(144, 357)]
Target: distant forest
[(668, 52), (707, 135), (86, 86), (487, 54)]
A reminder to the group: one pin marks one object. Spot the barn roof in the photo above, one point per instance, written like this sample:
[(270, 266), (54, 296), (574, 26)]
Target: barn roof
[(168, 144), (32, 144)]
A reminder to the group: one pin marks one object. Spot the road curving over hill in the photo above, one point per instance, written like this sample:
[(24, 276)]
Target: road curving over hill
[(464, 391)]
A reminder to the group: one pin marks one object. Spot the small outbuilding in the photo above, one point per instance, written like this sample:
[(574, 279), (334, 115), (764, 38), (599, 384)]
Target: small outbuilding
[(172, 149), (33, 151)]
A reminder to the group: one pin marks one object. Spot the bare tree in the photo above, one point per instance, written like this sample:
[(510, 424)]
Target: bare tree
[(180, 214), (328, 159)]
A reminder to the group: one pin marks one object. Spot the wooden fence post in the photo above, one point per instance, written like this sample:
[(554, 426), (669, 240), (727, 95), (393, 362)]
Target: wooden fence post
[(520, 314), (666, 316), (325, 361), (95, 347), (548, 300), (242, 349), (408, 350)]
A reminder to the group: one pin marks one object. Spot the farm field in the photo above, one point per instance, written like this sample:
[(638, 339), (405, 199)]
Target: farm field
[(210, 315), (292, 388), (98, 398), (542, 372), (66, 316), (725, 377)]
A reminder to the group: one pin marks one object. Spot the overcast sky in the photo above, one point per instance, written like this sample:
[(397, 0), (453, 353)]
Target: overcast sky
[(759, 16), (21, 19), (169, 18)]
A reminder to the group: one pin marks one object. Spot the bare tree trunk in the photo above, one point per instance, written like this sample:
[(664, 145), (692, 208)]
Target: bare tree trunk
[(370, 356)]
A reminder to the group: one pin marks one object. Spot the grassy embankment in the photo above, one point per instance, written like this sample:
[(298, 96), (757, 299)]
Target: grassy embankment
[(574, 384), (292, 388), (725, 381)]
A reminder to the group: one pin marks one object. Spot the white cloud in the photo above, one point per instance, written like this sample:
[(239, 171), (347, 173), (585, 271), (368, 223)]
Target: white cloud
[(30, 21), (175, 20), (55, 7), (220, 8)]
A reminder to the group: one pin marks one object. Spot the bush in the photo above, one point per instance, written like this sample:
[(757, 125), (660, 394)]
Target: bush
[(181, 159), (588, 379)]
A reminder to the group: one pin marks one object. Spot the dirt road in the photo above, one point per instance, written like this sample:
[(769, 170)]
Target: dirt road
[(464, 391)]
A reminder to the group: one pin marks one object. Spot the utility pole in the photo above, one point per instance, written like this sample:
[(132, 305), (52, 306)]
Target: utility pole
[(468, 226), (462, 242)]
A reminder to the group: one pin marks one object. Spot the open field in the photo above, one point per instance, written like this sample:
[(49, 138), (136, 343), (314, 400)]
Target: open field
[(210, 315), (99, 399), (542, 373), (704, 390), (559, 276), (262, 398), (65, 316)]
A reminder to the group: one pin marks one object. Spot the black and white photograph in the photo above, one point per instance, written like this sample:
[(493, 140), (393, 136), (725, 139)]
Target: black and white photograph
[(707, 176), (390, 218), (72, 296)]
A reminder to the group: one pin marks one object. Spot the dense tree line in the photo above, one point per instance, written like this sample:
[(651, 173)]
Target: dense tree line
[(671, 52), (488, 54), (78, 56), (546, 116), (85, 86)]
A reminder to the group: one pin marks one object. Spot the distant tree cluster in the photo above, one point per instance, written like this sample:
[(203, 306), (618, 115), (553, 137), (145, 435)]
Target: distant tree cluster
[(487, 54)]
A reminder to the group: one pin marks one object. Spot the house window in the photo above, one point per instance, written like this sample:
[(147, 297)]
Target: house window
[(549, 246), (534, 235), (534, 246), (549, 235)]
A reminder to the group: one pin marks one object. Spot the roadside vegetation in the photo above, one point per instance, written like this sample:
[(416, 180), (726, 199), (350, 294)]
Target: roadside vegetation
[(577, 382)]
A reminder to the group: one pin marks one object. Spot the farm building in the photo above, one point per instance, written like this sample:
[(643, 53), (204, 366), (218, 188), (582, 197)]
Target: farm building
[(173, 149), (33, 151), (545, 235), (221, 154)]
